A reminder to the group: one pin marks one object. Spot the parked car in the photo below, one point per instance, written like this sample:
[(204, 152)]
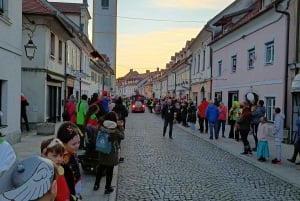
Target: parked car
[(137, 106)]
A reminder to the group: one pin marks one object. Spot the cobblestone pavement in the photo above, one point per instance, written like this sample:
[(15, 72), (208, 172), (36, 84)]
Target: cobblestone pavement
[(188, 168)]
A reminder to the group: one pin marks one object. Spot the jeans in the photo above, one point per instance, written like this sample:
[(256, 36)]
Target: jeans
[(166, 123), (212, 129), (192, 125)]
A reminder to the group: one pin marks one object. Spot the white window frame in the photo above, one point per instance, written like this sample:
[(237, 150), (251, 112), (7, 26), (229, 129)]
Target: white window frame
[(269, 52), (270, 105), (219, 73), (251, 58)]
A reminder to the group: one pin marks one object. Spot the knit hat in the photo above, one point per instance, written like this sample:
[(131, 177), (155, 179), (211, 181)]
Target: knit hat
[(29, 179)]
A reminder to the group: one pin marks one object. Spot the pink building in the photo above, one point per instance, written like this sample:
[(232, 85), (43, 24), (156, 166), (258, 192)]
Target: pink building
[(249, 56)]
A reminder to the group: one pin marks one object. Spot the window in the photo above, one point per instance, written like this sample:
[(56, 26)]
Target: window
[(92, 76), (251, 58), (270, 105), (269, 48), (218, 96), (194, 65), (3, 102), (4, 8), (59, 50), (105, 4), (69, 55), (219, 68), (233, 64), (1, 7), (52, 46), (198, 66), (203, 63)]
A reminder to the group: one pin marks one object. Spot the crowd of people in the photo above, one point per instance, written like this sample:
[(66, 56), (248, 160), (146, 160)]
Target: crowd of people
[(58, 164), (245, 118)]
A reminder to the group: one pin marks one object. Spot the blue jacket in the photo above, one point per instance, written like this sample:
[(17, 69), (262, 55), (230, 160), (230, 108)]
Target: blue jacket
[(212, 113), (257, 114)]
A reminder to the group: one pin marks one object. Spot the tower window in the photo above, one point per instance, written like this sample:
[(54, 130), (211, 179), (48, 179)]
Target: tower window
[(105, 4)]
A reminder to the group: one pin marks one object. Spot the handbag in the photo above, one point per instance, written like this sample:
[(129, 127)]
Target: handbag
[(103, 143)]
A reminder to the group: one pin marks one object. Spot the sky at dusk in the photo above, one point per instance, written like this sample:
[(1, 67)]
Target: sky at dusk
[(149, 32)]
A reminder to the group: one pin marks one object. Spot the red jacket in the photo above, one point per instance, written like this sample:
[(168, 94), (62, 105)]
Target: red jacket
[(222, 113), (71, 108), (202, 108)]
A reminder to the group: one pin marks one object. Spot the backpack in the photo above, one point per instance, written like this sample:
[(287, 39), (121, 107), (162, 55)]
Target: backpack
[(65, 115), (103, 143)]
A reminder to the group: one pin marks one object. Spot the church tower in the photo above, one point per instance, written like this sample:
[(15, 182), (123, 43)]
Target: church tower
[(105, 29)]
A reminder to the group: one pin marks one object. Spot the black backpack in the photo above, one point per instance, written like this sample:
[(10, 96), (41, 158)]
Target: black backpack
[(65, 115)]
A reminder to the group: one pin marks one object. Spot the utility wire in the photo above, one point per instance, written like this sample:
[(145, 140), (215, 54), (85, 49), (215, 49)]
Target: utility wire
[(153, 19)]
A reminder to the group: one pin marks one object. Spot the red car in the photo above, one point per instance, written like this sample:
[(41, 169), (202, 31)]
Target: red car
[(137, 106)]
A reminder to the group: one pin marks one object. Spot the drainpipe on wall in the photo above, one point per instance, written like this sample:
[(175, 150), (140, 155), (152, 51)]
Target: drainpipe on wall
[(65, 64), (209, 29), (297, 34), (287, 14)]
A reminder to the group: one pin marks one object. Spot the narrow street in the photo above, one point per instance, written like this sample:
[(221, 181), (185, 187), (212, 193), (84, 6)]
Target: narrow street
[(188, 168)]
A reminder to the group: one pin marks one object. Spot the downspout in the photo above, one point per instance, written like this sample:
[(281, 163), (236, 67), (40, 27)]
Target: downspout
[(297, 34), (65, 63), (286, 55), (207, 28)]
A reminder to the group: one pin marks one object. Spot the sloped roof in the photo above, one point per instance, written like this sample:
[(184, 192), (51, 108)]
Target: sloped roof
[(67, 7), (35, 6)]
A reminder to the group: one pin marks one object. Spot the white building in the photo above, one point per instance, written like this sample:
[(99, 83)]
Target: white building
[(11, 50)]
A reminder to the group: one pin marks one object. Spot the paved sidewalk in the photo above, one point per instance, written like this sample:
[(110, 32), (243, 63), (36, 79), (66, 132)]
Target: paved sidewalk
[(30, 145), (286, 171)]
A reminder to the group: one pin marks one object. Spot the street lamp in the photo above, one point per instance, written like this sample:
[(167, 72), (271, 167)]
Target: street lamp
[(30, 48)]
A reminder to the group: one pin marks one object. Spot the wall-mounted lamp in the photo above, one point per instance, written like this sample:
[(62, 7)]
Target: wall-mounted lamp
[(30, 48)]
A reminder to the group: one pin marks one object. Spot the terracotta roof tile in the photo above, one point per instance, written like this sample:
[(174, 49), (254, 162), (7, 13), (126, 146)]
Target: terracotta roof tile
[(35, 6), (67, 7)]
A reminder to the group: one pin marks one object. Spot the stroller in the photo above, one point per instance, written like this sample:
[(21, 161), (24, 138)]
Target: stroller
[(89, 158)]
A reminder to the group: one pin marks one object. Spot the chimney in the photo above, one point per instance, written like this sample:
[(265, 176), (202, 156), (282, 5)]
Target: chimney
[(157, 69), (131, 70), (147, 71)]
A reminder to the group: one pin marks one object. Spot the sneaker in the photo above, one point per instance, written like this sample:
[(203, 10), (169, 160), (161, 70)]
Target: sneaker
[(275, 161), (262, 159), (108, 190), (298, 163), (291, 160), (244, 153)]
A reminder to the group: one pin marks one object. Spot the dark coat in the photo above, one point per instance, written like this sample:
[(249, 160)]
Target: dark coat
[(167, 112), (192, 114), (121, 110), (116, 134)]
